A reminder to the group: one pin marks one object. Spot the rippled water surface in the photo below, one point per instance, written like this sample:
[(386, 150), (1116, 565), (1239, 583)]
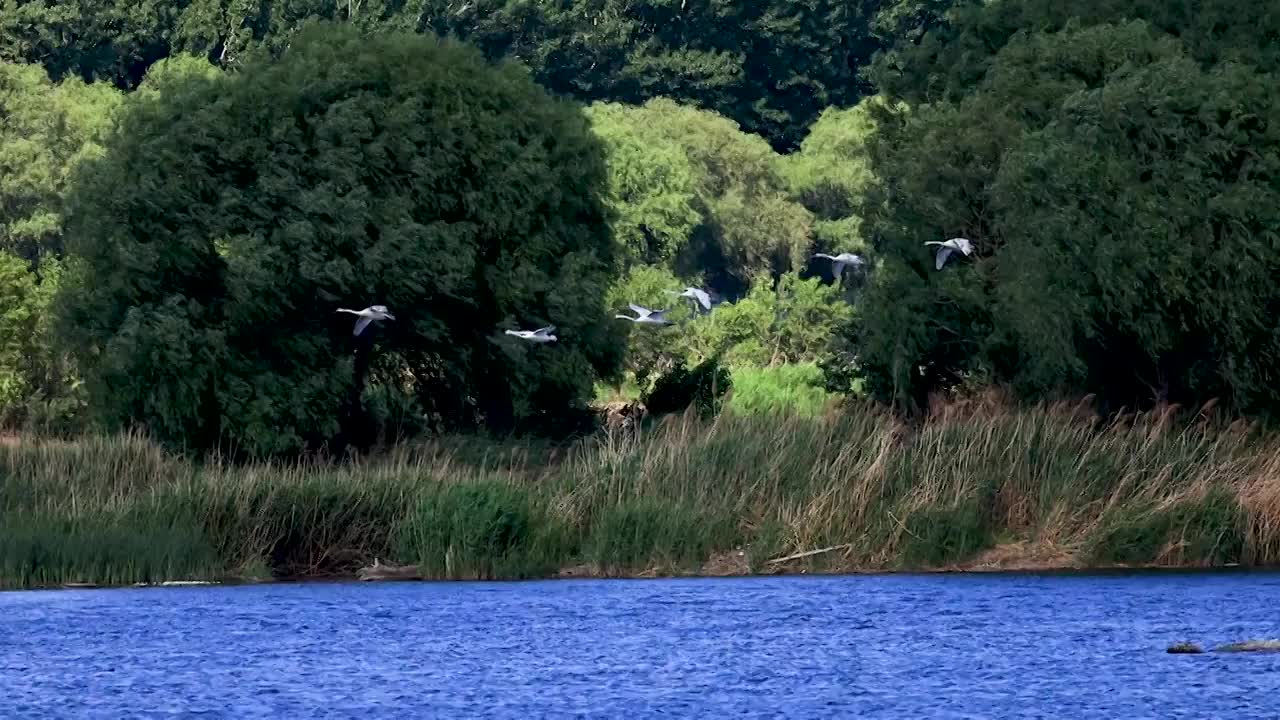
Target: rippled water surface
[(900, 647)]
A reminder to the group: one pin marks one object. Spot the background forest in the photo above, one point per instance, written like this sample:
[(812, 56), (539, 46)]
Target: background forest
[(187, 190)]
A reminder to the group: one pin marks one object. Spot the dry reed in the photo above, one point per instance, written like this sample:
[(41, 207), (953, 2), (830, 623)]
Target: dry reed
[(974, 481)]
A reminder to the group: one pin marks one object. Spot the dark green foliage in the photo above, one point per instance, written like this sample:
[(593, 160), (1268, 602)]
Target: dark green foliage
[(943, 536), (772, 65), (113, 40), (357, 169), (1118, 182), (956, 56), (703, 387)]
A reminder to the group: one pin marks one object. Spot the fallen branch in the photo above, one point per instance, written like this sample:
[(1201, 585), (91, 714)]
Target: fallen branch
[(809, 553)]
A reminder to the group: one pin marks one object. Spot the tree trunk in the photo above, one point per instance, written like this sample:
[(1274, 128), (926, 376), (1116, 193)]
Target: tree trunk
[(355, 431)]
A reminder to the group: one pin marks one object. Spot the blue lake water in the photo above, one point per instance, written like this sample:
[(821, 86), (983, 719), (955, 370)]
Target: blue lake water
[(980, 646)]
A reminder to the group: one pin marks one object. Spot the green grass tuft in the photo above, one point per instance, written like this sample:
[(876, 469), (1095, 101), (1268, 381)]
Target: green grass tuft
[(482, 530), (645, 533), (792, 388)]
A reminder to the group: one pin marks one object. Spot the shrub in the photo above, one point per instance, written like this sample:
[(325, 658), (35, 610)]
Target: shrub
[(1204, 530), (702, 387)]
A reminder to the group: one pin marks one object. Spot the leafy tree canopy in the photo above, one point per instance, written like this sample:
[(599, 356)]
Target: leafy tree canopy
[(1119, 184), (694, 192), (113, 40), (831, 173), (772, 65), (953, 57), (46, 131), (232, 214)]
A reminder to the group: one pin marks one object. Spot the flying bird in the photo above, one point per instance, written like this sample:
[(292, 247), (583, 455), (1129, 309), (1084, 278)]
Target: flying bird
[(645, 316), (699, 297), (541, 335), (839, 261), (945, 249), (368, 315)]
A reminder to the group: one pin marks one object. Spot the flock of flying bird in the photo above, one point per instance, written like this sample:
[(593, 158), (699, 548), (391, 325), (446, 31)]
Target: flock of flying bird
[(700, 298)]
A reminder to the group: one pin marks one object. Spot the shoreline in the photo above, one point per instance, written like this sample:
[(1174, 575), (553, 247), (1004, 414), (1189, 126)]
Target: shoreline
[(968, 570)]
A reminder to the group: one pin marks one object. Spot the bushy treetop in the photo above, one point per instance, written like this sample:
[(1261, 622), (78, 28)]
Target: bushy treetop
[(233, 214)]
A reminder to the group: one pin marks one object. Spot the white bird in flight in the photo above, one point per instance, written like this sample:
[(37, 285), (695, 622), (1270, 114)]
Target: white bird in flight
[(368, 315), (839, 261), (945, 249), (699, 297), (645, 316), (541, 335)]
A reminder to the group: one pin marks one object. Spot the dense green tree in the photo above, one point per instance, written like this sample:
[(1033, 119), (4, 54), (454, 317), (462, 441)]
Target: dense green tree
[(114, 40), (954, 57), (46, 131), (1186, 159), (772, 66), (692, 190), (1119, 183), (232, 214)]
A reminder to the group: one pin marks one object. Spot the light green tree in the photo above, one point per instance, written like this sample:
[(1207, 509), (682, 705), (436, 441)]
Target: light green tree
[(831, 173), (17, 290), (48, 130), (653, 186), (693, 191)]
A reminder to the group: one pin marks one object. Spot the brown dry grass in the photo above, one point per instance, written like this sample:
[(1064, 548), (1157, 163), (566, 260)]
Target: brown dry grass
[(982, 484)]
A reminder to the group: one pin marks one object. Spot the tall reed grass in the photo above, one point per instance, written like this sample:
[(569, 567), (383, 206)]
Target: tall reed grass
[(977, 482)]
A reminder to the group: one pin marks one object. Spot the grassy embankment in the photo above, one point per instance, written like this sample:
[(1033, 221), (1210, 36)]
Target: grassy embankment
[(977, 485)]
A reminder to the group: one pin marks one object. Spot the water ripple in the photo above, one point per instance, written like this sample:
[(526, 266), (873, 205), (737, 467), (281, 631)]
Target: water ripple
[(901, 647)]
